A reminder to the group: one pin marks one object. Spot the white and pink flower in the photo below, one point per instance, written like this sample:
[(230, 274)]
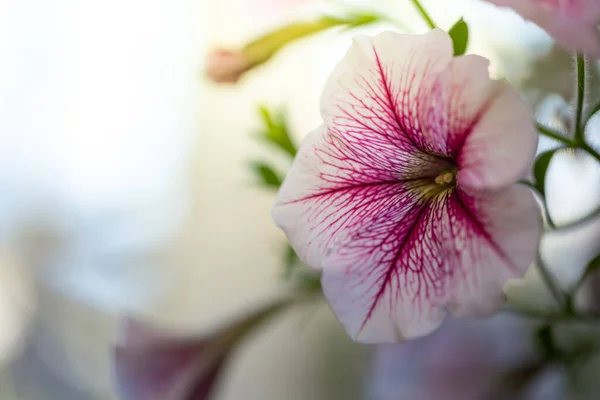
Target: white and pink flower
[(573, 23), (405, 197)]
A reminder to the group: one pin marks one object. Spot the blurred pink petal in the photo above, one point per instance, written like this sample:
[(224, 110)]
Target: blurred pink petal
[(405, 196), (463, 360), (573, 23), (155, 365)]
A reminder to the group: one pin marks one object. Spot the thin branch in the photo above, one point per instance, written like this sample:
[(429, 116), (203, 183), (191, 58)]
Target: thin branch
[(424, 14), (554, 135), (588, 149), (581, 78)]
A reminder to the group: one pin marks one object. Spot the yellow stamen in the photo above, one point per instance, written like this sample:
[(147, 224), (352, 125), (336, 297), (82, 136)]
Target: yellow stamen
[(447, 177)]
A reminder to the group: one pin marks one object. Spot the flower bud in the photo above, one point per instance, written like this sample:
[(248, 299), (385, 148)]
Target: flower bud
[(226, 66)]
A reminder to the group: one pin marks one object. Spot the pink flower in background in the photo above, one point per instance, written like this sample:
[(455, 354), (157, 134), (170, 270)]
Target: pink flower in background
[(491, 359), (573, 23), (151, 364), (405, 196)]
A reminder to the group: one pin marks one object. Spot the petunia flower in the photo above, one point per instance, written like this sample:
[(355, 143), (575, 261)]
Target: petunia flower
[(151, 364), (405, 196), (573, 23)]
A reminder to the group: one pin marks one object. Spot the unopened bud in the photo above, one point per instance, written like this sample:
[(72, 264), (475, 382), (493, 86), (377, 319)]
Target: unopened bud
[(226, 66)]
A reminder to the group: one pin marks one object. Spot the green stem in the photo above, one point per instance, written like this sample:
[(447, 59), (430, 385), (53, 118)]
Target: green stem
[(554, 135), (582, 144), (588, 149), (550, 282), (581, 77), (424, 14)]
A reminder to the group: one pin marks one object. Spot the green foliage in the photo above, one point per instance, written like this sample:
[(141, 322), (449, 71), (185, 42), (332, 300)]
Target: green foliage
[(266, 175), (359, 19), (303, 278), (460, 37), (263, 48), (593, 265), (545, 341), (275, 131), (539, 169), (291, 261)]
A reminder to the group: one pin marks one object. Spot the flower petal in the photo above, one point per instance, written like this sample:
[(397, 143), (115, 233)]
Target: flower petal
[(501, 146), (363, 200), (573, 23), (492, 237), (454, 104), (375, 92), (393, 282), (155, 365), (464, 359), (338, 186), (159, 366)]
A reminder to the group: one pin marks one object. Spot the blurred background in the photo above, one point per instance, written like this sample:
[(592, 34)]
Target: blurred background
[(125, 187)]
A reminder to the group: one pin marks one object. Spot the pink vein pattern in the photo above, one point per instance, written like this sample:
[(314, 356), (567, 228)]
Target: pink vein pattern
[(364, 200)]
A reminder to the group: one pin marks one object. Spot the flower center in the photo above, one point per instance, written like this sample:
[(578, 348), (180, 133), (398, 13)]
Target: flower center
[(447, 178)]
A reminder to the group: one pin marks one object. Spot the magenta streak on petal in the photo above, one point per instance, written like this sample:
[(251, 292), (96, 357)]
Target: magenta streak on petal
[(459, 157), (478, 226), (409, 123), (413, 260), (392, 101), (449, 116), (385, 280), (372, 216), (361, 204)]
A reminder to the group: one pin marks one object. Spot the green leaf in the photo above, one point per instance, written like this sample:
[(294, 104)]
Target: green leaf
[(291, 260), (263, 48), (359, 19), (266, 174), (545, 342), (460, 37), (303, 278), (276, 132), (592, 267), (540, 167), (307, 280)]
